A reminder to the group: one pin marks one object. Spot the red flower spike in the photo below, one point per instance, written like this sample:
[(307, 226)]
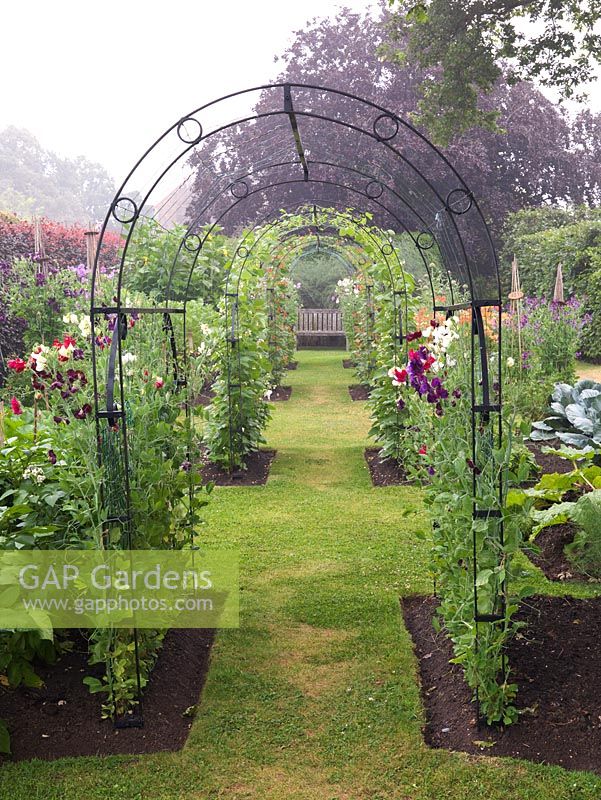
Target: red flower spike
[(16, 406)]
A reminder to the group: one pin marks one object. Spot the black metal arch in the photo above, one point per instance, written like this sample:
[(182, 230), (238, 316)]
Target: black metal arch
[(320, 183), (244, 253), (444, 200), (386, 249), (397, 171), (346, 170)]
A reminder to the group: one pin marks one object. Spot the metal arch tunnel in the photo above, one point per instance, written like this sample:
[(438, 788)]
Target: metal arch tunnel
[(397, 173)]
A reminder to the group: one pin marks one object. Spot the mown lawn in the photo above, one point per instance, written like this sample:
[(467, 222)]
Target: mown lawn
[(586, 370), (316, 696)]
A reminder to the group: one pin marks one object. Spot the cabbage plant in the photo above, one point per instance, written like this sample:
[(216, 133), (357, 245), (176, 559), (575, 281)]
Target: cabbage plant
[(575, 418)]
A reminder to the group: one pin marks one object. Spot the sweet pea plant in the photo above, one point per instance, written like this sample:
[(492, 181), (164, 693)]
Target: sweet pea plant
[(40, 297), (51, 497), (358, 321), (434, 389), (389, 417), (282, 312), (161, 456), (203, 327), (238, 414)]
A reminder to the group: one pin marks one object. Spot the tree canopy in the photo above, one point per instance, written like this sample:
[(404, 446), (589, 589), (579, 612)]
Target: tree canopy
[(35, 181), (540, 158), (466, 46)]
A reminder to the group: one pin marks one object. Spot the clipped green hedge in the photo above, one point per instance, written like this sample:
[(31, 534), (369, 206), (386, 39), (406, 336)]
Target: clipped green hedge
[(541, 239), (538, 255)]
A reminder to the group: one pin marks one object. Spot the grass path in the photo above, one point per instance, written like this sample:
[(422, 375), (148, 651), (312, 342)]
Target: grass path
[(316, 696), (586, 370)]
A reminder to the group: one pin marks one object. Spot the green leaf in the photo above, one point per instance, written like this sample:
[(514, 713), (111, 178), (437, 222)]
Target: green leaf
[(418, 14), (94, 684)]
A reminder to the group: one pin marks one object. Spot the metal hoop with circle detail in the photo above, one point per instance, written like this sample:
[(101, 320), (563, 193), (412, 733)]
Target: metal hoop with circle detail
[(239, 189), (378, 125), (374, 189), (184, 135), (387, 249), (192, 243), (425, 240), (459, 201), (242, 252), (124, 210)]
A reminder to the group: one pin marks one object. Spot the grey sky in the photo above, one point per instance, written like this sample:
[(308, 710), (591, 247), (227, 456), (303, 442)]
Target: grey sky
[(105, 79)]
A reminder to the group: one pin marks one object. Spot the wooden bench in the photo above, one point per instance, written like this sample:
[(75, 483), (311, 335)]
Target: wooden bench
[(325, 323)]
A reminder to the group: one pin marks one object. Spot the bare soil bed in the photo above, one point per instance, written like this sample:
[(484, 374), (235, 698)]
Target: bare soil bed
[(556, 664), (63, 719), (358, 392), (384, 471), (551, 557), (256, 473), (280, 393)]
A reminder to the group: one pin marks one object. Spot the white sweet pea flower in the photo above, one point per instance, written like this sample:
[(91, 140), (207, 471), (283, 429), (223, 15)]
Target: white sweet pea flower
[(510, 362), (40, 361), (65, 352), (85, 326), (129, 358)]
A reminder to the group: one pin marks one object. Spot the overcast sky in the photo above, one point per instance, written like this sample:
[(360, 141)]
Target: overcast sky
[(105, 79)]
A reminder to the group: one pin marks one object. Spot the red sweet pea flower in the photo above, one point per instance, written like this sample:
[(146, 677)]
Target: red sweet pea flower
[(159, 383), (16, 406), (69, 341), (56, 343), (423, 450), (17, 364)]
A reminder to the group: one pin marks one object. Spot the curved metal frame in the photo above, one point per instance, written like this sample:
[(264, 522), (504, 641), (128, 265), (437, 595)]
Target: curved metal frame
[(455, 213)]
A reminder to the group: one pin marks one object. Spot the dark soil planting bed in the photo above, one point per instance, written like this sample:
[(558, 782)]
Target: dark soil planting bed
[(63, 719), (358, 391), (255, 474), (384, 471), (551, 557), (556, 664), (280, 393), (348, 363), (547, 461), (292, 365)]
